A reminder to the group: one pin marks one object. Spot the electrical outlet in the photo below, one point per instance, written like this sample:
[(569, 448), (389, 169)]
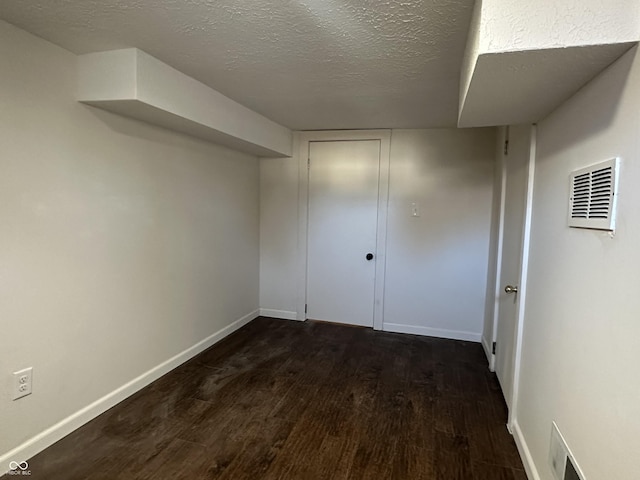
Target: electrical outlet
[(415, 209), (22, 383)]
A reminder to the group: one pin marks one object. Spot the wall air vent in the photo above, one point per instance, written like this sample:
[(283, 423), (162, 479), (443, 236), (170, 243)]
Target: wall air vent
[(592, 197)]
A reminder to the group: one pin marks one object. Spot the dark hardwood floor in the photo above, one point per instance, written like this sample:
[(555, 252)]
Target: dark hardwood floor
[(291, 400)]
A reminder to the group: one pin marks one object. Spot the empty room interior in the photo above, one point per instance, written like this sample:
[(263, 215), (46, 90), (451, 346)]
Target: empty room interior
[(320, 239)]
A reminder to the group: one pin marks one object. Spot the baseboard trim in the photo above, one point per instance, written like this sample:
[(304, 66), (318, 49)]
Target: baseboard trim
[(284, 314), (525, 454), (61, 429), (488, 351), (431, 332)]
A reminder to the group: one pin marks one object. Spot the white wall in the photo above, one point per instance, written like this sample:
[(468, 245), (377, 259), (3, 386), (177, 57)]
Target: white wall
[(436, 264), (436, 270), (581, 345), (123, 244), (279, 235)]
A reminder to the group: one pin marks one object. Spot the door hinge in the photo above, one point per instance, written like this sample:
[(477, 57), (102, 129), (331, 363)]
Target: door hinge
[(308, 163), (305, 308), (506, 147), (493, 348)]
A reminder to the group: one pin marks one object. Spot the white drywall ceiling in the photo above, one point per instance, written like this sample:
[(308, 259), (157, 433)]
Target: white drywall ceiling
[(509, 88), (135, 84), (521, 25), (523, 60), (307, 64)]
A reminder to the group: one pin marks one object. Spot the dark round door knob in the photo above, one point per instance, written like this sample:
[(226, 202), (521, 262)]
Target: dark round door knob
[(369, 256)]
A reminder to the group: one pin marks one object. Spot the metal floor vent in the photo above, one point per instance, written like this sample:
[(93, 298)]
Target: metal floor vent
[(592, 198), (570, 472), (561, 460)]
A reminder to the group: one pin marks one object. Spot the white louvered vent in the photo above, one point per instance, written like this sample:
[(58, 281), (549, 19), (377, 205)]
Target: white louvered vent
[(592, 198)]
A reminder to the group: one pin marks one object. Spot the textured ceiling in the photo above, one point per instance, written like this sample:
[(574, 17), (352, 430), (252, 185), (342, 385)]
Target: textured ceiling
[(307, 64)]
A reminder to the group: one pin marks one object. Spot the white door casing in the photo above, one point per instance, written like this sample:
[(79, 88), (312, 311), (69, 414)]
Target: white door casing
[(518, 187), (384, 140), (342, 227)]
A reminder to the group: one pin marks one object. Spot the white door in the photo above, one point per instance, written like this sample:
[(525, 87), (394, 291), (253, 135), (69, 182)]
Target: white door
[(343, 216), (517, 167)]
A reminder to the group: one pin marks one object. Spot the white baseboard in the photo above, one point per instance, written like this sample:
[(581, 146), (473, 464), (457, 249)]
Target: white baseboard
[(61, 429), (525, 453), (284, 314), (431, 332), (488, 351)]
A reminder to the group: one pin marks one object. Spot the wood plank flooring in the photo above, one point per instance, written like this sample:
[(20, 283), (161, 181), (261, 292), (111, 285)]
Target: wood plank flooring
[(292, 400)]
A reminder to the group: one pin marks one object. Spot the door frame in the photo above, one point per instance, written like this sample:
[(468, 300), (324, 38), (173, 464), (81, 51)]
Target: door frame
[(524, 270), (306, 137), (522, 280), (496, 288)]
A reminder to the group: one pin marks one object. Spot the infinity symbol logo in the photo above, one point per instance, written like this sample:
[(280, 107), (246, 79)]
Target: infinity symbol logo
[(16, 465)]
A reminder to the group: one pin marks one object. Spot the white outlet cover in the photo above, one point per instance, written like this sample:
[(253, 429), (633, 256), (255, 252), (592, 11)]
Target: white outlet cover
[(22, 383)]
